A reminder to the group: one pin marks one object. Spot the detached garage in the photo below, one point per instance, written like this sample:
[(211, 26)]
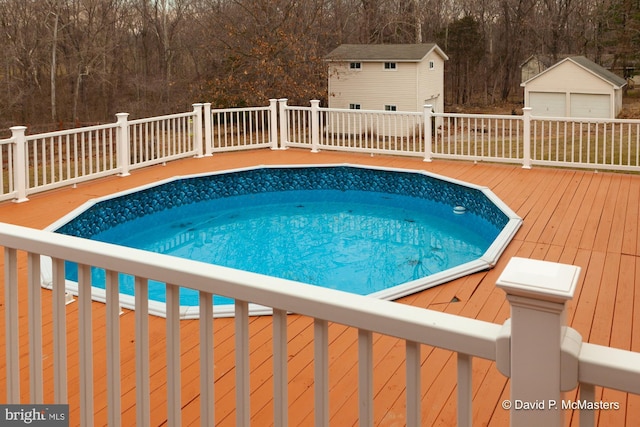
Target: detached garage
[(574, 87)]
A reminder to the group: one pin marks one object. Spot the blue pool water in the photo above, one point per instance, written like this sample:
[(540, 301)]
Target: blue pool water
[(348, 228)]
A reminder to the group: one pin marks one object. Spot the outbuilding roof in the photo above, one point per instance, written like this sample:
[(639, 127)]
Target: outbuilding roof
[(589, 66), (599, 70), (384, 52)]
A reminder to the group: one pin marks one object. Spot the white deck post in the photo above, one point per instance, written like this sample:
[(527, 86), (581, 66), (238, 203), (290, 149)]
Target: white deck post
[(315, 125), (284, 123), (11, 328), (123, 143), (197, 129), (20, 163), (273, 123), (208, 130), (526, 131), (428, 133), (537, 292)]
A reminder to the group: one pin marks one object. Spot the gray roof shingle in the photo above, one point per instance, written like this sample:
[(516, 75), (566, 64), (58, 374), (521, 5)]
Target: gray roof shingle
[(383, 52), (599, 70)]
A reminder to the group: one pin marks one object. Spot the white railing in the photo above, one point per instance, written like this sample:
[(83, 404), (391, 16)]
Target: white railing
[(165, 138), (511, 345), (7, 160), (41, 162), (296, 125), (594, 144), (520, 139), (368, 131), (233, 129), (538, 292), (471, 338), (494, 138), (36, 163), (62, 158), (389, 132)]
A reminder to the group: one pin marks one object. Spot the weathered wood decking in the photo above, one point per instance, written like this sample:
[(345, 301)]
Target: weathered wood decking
[(576, 217)]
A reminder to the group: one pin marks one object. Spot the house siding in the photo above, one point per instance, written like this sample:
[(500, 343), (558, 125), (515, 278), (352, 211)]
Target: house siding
[(430, 83), (372, 86), (569, 77)]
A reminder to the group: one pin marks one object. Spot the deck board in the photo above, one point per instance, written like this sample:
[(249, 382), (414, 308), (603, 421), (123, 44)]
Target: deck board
[(613, 201), (561, 214), (577, 217), (633, 401), (573, 212), (595, 214), (630, 238)]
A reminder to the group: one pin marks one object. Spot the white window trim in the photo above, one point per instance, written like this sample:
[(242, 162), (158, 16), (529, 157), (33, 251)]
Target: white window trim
[(432, 65), (354, 106), (393, 66), (355, 66), (390, 107)]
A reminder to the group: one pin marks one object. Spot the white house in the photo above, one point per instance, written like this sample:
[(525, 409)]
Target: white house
[(392, 77), (574, 87)]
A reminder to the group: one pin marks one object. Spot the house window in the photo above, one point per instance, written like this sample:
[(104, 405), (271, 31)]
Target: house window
[(432, 65), (390, 108), (355, 65), (390, 65), (354, 106)]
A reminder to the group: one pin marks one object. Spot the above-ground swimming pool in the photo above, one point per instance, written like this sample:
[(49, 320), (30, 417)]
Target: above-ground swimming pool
[(371, 231)]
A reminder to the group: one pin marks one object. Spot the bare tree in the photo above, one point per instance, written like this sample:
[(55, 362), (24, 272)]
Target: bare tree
[(53, 67), (619, 24), (162, 24), (514, 28), (466, 54), (268, 49), (22, 53), (84, 60)]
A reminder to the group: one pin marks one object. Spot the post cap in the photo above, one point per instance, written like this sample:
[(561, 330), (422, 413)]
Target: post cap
[(542, 280)]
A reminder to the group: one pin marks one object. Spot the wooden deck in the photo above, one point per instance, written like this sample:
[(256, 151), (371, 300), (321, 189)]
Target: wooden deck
[(575, 217)]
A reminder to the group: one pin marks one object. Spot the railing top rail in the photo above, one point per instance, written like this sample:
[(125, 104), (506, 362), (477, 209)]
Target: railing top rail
[(461, 334), (165, 117), (7, 141), (71, 131), (609, 367), (239, 109), (480, 116), (354, 111), (585, 120), (300, 108)]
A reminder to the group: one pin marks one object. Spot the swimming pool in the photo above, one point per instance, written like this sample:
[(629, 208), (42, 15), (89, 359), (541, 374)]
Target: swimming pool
[(383, 232)]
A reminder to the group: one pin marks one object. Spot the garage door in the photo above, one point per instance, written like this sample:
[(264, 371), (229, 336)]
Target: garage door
[(547, 104), (590, 105)]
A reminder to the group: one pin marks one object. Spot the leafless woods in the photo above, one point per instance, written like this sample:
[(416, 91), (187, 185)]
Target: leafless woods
[(69, 61)]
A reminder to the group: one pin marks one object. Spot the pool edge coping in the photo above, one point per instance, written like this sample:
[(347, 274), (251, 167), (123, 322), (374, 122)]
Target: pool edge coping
[(485, 262)]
